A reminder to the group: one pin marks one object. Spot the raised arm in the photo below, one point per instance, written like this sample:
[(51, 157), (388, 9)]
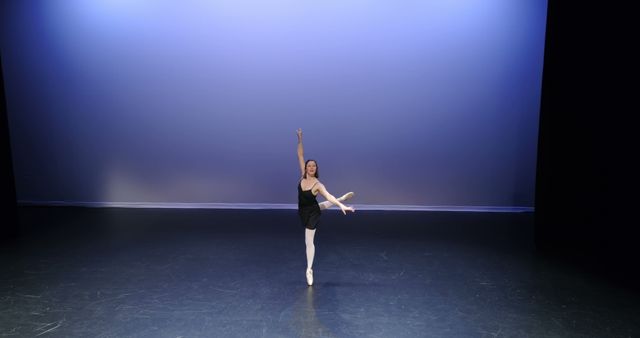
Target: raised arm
[(323, 191), (300, 152)]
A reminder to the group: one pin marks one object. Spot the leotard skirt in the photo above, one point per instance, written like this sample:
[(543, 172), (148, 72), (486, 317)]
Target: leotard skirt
[(309, 216)]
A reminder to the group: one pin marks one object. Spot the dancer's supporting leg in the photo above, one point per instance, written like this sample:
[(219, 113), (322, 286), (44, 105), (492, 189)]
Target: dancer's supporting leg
[(311, 252), (327, 204)]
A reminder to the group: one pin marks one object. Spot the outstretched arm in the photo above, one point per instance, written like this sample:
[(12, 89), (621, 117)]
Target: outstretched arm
[(323, 191), (300, 152)]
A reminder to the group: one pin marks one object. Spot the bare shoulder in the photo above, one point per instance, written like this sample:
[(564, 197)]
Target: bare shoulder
[(319, 186)]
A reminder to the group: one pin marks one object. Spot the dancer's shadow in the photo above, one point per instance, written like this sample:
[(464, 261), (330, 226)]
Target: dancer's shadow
[(315, 312), (306, 322)]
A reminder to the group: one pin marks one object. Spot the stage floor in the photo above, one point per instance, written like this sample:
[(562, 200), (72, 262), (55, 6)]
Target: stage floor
[(85, 272)]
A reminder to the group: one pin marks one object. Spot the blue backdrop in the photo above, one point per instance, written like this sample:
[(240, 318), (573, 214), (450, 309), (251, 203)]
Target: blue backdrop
[(431, 103)]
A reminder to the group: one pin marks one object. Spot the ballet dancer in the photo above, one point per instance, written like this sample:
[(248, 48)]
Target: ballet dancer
[(308, 207)]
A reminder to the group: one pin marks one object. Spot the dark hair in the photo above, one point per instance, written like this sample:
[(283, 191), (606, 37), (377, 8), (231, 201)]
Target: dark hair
[(317, 175)]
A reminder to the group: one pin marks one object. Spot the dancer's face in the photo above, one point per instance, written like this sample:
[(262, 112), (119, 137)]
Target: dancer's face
[(312, 167)]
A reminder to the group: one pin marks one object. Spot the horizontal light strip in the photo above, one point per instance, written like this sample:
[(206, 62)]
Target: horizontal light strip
[(255, 206)]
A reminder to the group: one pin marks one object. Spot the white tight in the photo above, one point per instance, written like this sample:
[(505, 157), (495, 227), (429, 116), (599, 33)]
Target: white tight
[(311, 248), (325, 205), (310, 234)]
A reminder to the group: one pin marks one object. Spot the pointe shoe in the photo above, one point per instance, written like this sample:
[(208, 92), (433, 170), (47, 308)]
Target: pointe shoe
[(309, 277), (346, 196)]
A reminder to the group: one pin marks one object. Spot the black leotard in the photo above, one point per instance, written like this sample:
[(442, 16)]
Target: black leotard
[(308, 208)]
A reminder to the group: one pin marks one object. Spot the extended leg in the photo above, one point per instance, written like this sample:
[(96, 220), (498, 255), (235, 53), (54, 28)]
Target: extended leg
[(327, 204)]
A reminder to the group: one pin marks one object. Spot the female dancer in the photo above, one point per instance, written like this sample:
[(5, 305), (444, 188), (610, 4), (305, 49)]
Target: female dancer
[(308, 206)]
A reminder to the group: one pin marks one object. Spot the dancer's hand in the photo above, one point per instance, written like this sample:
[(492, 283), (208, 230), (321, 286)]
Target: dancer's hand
[(345, 208), (299, 132)]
